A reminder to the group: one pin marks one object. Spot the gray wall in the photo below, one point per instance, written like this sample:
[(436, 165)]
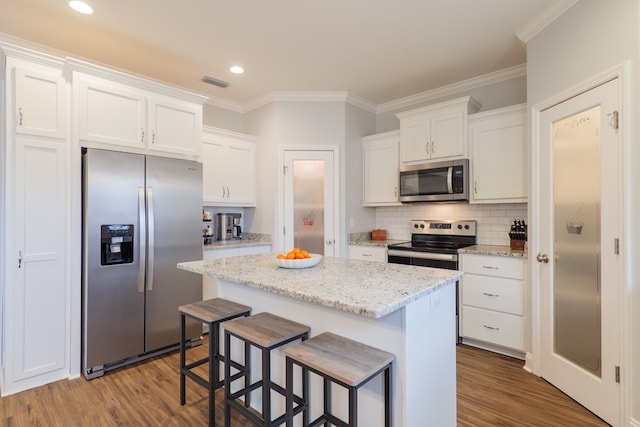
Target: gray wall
[(592, 37)]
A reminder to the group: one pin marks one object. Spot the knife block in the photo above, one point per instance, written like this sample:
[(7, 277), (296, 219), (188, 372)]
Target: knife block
[(517, 245)]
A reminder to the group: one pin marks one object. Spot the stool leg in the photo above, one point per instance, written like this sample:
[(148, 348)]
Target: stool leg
[(327, 399), (353, 406), (387, 397), (227, 376), (213, 372), (266, 387), (247, 373), (289, 392), (305, 396), (182, 360)]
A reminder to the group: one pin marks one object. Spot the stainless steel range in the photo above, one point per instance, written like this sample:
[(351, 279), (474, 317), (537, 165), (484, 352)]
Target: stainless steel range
[(435, 244)]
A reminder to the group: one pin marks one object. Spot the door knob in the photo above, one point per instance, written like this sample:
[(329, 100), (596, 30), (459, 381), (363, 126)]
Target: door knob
[(543, 258)]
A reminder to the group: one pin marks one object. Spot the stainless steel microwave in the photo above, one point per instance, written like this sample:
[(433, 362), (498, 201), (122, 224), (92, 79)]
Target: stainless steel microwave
[(435, 182)]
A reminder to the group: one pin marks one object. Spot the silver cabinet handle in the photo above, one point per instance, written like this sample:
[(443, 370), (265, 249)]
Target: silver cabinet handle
[(395, 191), (488, 267), (432, 145), (366, 255), (20, 116), (142, 136), (153, 137), (228, 192), (543, 258), (475, 187), (490, 295), (19, 259), (491, 328)]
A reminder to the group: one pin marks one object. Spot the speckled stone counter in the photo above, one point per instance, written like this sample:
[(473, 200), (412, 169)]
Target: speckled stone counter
[(369, 242), (405, 310), (365, 288), (493, 250), (248, 239)]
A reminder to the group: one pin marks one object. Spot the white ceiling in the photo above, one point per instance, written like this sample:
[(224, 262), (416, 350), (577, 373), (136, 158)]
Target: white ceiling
[(378, 50)]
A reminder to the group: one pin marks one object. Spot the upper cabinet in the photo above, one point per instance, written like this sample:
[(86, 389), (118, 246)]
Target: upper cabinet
[(380, 169), (119, 112), (436, 131), (229, 168), (499, 160)]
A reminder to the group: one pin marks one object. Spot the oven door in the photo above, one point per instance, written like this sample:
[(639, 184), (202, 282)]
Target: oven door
[(423, 259)]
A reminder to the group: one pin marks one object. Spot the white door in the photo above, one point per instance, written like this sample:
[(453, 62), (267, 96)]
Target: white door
[(579, 265), (310, 186)]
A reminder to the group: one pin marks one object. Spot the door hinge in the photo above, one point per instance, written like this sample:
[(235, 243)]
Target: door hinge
[(614, 119), (618, 374), (616, 246)]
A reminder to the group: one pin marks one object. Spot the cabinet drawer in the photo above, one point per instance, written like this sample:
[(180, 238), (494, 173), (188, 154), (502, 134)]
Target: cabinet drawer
[(502, 329), (493, 266), (368, 253), (493, 293)]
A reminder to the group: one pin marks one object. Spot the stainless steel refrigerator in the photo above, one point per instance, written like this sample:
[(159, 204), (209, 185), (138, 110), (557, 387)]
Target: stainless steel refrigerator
[(141, 216)]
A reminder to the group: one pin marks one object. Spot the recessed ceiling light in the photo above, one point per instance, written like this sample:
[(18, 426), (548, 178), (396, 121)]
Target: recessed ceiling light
[(81, 7), (236, 69)]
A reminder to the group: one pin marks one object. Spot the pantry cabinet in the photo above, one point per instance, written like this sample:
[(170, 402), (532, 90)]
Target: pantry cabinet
[(435, 132), (229, 168), (492, 302), (35, 228), (380, 169), (499, 160), (118, 112)]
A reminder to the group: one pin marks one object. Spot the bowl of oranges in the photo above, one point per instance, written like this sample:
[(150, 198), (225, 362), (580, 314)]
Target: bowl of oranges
[(297, 258)]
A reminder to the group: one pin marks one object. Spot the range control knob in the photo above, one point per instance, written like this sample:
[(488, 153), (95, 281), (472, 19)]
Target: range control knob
[(415, 225), (422, 226), (459, 226), (466, 227)]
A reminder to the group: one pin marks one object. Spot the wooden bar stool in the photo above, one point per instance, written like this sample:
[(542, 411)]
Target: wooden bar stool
[(342, 361), (212, 312), (266, 332)]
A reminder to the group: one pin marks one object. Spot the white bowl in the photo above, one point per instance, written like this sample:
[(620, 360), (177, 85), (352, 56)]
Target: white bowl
[(298, 263)]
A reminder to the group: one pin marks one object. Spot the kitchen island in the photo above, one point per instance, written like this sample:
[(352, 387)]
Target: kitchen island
[(406, 310)]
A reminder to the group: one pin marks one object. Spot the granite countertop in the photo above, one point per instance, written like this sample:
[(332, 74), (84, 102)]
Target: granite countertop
[(493, 250), (369, 242), (368, 288), (248, 239)]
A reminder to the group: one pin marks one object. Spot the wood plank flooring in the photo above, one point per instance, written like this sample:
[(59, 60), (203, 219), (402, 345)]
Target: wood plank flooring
[(493, 390)]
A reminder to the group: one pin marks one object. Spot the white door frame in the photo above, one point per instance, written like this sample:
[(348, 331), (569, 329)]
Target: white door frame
[(533, 355), (279, 238)]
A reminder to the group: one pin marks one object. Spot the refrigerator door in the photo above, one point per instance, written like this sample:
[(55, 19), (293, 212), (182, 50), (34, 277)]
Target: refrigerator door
[(113, 303), (174, 197)]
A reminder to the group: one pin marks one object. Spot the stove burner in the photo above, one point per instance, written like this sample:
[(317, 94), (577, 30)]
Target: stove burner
[(444, 237)]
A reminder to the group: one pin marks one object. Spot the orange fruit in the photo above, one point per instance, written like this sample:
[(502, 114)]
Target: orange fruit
[(299, 255), (280, 256), (291, 255)]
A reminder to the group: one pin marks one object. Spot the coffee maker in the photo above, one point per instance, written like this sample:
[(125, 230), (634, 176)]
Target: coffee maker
[(227, 226)]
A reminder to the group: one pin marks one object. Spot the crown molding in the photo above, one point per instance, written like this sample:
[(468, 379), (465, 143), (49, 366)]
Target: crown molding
[(310, 96), (225, 104), (454, 88), (543, 19)]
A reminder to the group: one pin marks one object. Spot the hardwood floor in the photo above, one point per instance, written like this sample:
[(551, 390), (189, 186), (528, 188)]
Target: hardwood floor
[(493, 390)]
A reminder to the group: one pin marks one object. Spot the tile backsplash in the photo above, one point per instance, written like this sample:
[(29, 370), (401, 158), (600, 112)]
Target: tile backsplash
[(494, 220)]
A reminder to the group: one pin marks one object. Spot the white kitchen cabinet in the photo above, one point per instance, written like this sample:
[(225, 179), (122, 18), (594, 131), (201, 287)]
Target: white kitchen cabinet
[(499, 160), (435, 132), (368, 253), (492, 298), (380, 169), (229, 163), (113, 113), (35, 230)]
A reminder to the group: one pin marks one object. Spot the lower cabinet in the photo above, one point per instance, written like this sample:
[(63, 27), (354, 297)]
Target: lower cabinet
[(208, 283), (492, 303), (368, 253)]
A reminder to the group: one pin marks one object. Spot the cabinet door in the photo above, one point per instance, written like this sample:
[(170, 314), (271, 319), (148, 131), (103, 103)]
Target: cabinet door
[(213, 175), (110, 114), (368, 253), (37, 301), (39, 103), (380, 170), (499, 158), (416, 139), (241, 164), (447, 136), (174, 127)]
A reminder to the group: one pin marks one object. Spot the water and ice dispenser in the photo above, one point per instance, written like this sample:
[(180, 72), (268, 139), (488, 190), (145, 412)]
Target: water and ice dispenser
[(116, 244)]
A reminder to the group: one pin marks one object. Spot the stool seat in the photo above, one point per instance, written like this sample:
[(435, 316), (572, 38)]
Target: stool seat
[(338, 360), (346, 361), (214, 310), (266, 330)]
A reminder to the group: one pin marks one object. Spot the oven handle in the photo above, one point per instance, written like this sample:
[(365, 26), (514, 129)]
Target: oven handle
[(422, 255)]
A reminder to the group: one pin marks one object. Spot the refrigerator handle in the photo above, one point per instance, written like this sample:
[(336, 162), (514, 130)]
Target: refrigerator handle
[(142, 245), (151, 231)]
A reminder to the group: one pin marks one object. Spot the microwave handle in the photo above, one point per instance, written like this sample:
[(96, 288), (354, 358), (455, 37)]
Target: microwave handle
[(450, 180)]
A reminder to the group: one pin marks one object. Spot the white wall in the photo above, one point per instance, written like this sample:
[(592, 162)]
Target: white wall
[(592, 37)]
